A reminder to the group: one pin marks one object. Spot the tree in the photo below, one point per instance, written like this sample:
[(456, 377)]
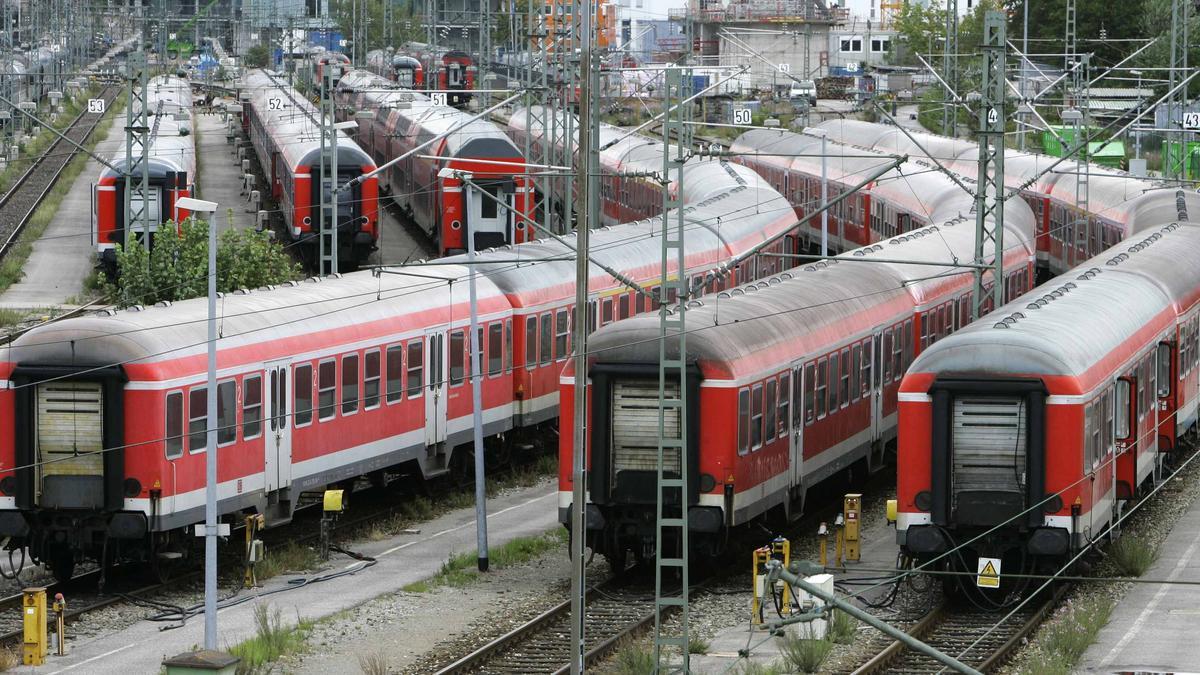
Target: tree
[(1099, 25), (177, 267), (920, 27), (258, 56)]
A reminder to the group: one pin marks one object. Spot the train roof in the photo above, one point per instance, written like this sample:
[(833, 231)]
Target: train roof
[(1069, 325), (294, 123), (290, 320), (418, 115), (725, 217), (1158, 205)]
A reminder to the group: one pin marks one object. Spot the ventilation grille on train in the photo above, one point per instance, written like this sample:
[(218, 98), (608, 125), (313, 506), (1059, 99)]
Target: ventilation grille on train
[(988, 445), (70, 443), (635, 427)]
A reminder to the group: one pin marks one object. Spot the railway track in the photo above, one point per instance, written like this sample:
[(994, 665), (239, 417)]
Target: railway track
[(953, 631), (18, 204), (542, 645)]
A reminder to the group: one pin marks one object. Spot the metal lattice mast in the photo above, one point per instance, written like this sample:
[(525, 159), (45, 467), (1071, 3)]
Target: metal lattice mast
[(137, 136), (989, 200), (950, 69), (1176, 154), (328, 241), (671, 521)]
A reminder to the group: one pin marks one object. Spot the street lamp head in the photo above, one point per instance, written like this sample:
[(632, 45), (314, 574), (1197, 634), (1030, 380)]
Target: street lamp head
[(196, 205), (348, 124)]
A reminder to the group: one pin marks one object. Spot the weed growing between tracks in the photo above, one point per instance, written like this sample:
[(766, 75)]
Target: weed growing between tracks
[(11, 266), (460, 569), (1133, 556), (271, 642)]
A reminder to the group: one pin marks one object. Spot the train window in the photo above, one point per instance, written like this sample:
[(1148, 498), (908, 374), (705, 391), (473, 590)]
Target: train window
[(1094, 431), (835, 370), (226, 412), (743, 421), (623, 306), (756, 417), (866, 367), (495, 349), (547, 339), (197, 419), (606, 312), (371, 378), (885, 356), (897, 353), (855, 372), (562, 330), (907, 352), (770, 410), (482, 347), (844, 392), (350, 384), (810, 381), (1108, 422), (1089, 448), (822, 389), (508, 345), (1164, 369), (531, 342), (416, 367), (924, 331), (174, 425), (395, 373), (302, 394), (1121, 405), (251, 407), (1141, 390), (326, 389), (457, 366), (784, 392)]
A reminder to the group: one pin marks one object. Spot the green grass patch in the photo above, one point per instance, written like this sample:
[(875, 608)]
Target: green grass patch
[(14, 261), (842, 627), (461, 569), (1061, 643), (698, 646), (752, 668), (633, 660), (271, 642), (805, 655), (1132, 555), (11, 317), (291, 557)]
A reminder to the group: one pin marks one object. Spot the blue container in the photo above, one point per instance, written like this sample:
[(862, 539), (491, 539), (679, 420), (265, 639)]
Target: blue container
[(331, 40), (700, 83)]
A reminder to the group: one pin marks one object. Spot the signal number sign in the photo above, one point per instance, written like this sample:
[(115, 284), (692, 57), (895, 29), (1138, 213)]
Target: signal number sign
[(274, 104), (438, 98), (96, 106), (742, 116), (1191, 120)]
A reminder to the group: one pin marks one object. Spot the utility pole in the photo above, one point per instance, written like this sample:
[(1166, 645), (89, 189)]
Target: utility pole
[(989, 199), (583, 182), (1024, 71), (673, 475), (328, 227), (137, 132), (1176, 152)]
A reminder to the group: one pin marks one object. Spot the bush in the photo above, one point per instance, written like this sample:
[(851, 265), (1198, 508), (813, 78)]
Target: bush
[(842, 627), (632, 660), (177, 267)]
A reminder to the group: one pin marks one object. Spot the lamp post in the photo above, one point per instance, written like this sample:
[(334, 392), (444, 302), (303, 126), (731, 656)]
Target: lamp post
[(210, 460), (1137, 132)]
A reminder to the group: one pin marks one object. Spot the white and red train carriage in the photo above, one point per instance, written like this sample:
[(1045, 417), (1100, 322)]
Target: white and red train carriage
[(284, 129), (496, 209), (170, 166), (1022, 437), (318, 381), (790, 380), (402, 69)]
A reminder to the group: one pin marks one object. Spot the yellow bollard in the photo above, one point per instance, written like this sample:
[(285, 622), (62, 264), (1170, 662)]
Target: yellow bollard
[(852, 508), (33, 608), (60, 622)]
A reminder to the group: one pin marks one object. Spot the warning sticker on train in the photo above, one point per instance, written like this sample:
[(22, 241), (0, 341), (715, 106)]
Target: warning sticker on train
[(989, 573)]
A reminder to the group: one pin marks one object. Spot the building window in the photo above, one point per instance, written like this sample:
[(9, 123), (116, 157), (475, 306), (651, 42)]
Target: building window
[(851, 45), (880, 45)]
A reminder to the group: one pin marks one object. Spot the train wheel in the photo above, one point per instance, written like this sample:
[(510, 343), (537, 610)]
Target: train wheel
[(62, 563)]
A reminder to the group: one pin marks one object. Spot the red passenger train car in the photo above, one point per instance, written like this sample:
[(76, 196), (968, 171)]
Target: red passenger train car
[(284, 131), (496, 209), (447, 71)]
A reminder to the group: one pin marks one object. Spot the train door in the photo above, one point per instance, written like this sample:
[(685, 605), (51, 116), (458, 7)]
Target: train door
[(436, 392), (797, 442), (489, 212), (875, 358), (1165, 395), (277, 448)]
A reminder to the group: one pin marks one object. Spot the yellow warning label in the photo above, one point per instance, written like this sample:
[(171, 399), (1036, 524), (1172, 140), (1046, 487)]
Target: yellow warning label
[(989, 573)]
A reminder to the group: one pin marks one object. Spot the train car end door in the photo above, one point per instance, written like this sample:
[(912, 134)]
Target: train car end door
[(436, 389), (277, 447)]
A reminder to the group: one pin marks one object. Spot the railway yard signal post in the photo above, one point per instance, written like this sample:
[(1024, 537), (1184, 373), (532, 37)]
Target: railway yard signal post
[(330, 195), (989, 198)]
